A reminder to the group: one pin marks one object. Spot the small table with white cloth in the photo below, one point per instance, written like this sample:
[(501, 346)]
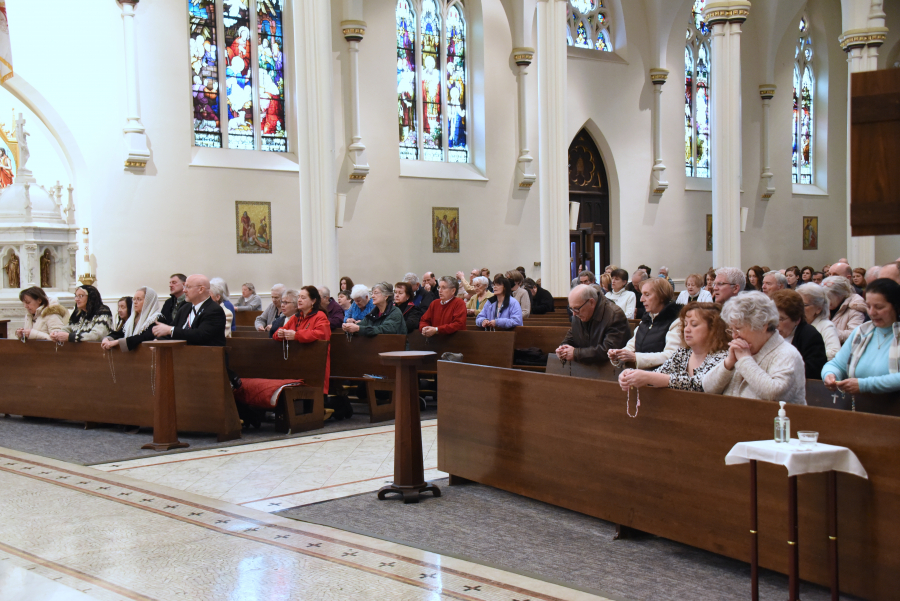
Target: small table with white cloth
[(820, 458)]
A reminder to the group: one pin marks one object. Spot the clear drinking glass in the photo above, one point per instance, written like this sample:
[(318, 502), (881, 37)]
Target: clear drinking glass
[(808, 439)]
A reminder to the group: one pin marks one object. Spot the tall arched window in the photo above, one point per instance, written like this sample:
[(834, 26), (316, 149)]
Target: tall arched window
[(804, 90), (696, 94), (588, 25), (252, 74), (432, 80)]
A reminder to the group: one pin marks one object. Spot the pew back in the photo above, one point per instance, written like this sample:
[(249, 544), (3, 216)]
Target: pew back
[(568, 441), (819, 396), (246, 318), (483, 348), (547, 338), (254, 358), (75, 382), (359, 356), (605, 371)]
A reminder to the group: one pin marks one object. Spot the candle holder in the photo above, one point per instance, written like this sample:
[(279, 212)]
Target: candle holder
[(87, 279)]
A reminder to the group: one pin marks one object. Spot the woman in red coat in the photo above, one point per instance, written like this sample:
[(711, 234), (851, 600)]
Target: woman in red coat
[(309, 324)]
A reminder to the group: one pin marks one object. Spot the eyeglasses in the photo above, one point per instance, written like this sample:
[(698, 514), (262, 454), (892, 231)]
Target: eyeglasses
[(577, 310), (720, 284), (733, 332)]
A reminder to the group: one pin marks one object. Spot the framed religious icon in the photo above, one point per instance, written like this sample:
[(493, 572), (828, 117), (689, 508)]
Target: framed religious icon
[(709, 232), (445, 229), (810, 233), (254, 227)]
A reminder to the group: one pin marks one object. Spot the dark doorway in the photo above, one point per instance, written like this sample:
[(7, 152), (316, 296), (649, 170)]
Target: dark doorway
[(588, 186)]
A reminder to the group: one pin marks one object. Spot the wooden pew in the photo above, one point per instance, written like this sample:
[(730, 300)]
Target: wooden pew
[(242, 333), (482, 348), (605, 371), (4, 324), (300, 408), (568, 442), (547, 339), (883, 404), (561, 303), (246, 318), (75, 382), (352, 360)]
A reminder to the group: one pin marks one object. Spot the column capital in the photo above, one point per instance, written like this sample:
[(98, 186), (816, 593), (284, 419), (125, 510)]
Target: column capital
[(767, 91), (523, 56), (859, 38), (131, 3), (730, 11), (658, 76), (353, 30)]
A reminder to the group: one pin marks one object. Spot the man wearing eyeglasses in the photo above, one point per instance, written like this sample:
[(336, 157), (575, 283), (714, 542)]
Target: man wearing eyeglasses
[(730, 281), (599, 325)]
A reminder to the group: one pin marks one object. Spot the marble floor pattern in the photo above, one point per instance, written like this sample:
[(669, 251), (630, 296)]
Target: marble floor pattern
[(276, 475), (73, 533)]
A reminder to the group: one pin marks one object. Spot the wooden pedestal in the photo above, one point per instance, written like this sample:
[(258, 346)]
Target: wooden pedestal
[(165, 430), (409, 471)]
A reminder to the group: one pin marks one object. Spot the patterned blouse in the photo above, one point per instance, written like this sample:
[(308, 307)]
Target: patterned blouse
[(677, 369)]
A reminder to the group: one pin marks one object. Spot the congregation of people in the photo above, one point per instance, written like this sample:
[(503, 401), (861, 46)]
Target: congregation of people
[(758, 333)]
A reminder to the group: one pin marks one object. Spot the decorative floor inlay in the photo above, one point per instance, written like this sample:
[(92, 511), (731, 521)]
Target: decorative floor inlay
[(275, 475), (118, 539)]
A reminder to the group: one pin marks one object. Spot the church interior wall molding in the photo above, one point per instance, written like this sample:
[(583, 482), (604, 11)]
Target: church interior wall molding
[(137, 152), (659, 183), (525, 175), (354, 30), (766, 93)]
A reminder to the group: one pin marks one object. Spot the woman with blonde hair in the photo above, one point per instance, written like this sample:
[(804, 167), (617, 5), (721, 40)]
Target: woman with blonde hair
[(659, 334), (695, 292)]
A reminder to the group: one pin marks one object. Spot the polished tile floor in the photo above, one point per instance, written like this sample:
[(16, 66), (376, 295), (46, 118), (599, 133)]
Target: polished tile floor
[(275, 475), (74, 533)]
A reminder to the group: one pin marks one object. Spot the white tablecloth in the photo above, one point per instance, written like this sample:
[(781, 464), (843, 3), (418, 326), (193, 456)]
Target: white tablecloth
[(821, 458)]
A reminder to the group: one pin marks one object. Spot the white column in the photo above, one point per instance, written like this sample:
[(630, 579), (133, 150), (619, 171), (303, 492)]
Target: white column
[(137, 152), (861, 46), (315, 147), (553, 146), (524, 165), (766, 92), (726, 18), (659, 182), (359, 166)]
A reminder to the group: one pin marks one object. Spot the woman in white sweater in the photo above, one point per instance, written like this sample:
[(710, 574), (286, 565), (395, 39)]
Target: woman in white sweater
[(760, 363), (695, 292), (43, 315), (815, 308), (625, 299)]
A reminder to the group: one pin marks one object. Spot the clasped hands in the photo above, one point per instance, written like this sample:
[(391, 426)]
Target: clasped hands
[(737, 349), (850, 385), (23, 332), (566, 353), (429, 331), (621, 355), (351, 326), (59, 336), (285, 334)]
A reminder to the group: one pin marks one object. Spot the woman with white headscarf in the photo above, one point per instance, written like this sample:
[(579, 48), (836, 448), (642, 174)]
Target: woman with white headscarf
[(139, 327)]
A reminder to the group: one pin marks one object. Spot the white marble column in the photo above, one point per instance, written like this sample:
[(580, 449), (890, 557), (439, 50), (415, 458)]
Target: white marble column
[(553, 180), (359, 166), (137, 152), (525, 163), (861, 46), (725, 19), (658, 77), (315, 146), (766, 93)]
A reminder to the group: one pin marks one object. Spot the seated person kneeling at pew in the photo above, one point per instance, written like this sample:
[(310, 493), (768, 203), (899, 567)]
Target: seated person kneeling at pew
[(601, 326)]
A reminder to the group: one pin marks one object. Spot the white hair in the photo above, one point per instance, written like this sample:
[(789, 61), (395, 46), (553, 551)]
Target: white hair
[(278, 289), (816, 296), (753, 309), (481, 280), (411, 278), (290, 295), (221, 283), (250, 287), (217, 290), (325, 292), (838, 287), (733, 276), (779, 277), (386, 289), (873, 272), (359, 291), (664, 267), (586, 292)]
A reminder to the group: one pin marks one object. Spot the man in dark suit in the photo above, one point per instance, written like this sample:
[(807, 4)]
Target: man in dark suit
[(176, 298), (200, 320)]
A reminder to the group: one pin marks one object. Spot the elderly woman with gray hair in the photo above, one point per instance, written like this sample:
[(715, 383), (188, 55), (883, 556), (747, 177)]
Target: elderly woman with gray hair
[(848, 309), (760, 363), (384, 318), (360, 306), (480, 296), (249, 300), (815, 310), (446, 315), (217, 293), (139, 327)]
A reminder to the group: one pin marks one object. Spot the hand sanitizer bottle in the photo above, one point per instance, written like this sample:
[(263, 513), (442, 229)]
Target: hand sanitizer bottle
[(782, 425)]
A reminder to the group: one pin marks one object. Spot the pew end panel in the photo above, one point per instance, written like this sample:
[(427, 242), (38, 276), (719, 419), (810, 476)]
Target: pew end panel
[(300, 409), (355, 359), (568, 442)]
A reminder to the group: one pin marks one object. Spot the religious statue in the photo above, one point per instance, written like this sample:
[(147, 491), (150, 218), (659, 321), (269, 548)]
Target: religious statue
[(22, 139), (12, 271), (46, 263)]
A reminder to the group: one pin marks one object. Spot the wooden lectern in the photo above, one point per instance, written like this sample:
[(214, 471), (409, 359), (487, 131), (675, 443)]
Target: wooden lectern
[(875, 153), (165, 429)]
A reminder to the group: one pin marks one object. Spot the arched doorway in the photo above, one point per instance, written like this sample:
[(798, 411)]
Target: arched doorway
[(589, 187)]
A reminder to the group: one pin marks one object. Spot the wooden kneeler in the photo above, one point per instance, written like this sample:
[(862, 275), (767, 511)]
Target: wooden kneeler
[(299, 409)]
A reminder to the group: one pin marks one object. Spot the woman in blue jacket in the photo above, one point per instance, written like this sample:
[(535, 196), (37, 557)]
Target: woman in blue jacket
[(502, 311)]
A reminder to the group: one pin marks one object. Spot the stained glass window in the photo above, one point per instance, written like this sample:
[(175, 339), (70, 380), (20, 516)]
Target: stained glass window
[(252, 76), (588, 25), (803, 124), (697, 94), (432, 80)]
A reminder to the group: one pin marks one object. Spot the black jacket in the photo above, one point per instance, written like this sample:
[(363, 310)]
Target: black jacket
[(171, 307), (650, 336), (638, 305), (208, 327), (132, 342), (809, 342), (542, 302), (424, 298), (411, 314)]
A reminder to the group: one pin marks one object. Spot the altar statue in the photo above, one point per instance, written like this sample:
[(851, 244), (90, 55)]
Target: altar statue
[(46, 265), (12, 271)]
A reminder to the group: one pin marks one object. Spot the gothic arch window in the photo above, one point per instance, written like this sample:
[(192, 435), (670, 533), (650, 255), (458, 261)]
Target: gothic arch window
[(432, 80), (804, 95), (696, 94), (588, 25), (248, 66)]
